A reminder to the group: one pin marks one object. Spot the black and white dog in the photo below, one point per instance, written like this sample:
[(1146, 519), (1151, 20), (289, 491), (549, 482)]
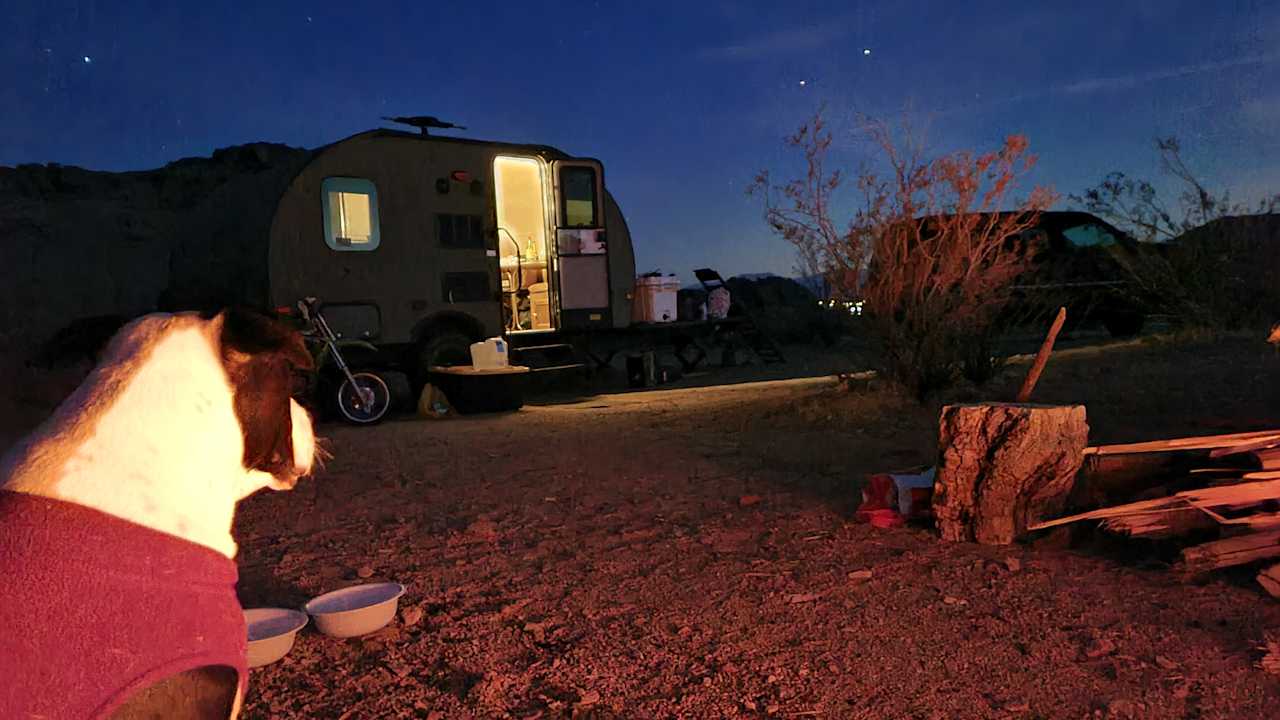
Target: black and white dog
[(116, 513)]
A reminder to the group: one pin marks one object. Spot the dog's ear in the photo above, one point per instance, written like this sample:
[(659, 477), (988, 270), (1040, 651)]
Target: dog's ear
[(261, 355), (251, 332)]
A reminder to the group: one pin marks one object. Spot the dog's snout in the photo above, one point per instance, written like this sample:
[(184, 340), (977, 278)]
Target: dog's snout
[(304, 439)]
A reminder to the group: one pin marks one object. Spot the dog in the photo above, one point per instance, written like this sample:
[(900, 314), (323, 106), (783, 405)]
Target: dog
[(116, 513)]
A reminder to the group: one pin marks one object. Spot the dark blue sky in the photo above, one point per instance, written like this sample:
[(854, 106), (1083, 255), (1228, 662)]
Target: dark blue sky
[(683, 101)]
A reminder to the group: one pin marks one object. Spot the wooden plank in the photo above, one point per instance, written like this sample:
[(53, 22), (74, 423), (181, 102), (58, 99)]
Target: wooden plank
[(1203, 498), (1203, 442), (1159, 505), (1262, 475), (1269, 579), (1233, 551), (1240, 493), (1172, 522), (1268, 458), (1042, 357), (1261, 444)]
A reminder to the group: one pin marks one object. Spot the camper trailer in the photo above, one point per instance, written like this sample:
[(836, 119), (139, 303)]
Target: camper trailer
[(423, 244)]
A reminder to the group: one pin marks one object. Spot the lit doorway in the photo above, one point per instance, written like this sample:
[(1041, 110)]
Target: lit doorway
[(523, 257)]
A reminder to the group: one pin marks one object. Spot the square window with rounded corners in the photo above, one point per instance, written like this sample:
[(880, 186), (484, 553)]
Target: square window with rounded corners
[(350, 214)]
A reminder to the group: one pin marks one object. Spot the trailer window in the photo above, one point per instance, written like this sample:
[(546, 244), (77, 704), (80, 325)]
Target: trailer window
[(459, 231), (578, 188), (350, 214)]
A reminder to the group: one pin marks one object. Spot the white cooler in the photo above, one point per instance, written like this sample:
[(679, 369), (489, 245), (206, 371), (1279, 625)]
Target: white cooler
[(655, 299)]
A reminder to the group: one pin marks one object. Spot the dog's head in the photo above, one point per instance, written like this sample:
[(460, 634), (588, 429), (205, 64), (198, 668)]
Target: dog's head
[(263, 358)]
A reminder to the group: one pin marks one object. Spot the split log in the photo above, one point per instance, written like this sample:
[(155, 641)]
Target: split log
[(1237, 550), (1003, 466)]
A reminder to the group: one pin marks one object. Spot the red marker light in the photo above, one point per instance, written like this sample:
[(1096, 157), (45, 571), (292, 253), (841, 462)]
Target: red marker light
[(461, 176)]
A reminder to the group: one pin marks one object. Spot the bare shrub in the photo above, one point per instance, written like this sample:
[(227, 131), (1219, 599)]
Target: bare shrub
[(931, 248), (1209, 271)]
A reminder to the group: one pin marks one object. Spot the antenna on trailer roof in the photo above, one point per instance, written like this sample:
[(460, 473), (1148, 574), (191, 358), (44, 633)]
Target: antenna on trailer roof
[(422, 122)]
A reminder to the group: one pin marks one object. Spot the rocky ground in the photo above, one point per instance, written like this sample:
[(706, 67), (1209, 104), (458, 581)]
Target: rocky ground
[(690, 553)]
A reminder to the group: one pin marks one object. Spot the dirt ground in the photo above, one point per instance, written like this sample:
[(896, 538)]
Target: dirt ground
[(690, 553)]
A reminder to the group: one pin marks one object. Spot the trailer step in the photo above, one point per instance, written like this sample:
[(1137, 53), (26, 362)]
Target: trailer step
[(541, 348)]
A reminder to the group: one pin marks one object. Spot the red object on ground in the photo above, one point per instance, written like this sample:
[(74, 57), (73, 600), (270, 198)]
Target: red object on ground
[(879, 493), (95, 608), (886, 518)]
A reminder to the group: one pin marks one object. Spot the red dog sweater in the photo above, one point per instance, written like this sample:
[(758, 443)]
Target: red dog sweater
[(94, 608)]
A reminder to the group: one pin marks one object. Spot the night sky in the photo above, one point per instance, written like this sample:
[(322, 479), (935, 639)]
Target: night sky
[(683, 101)]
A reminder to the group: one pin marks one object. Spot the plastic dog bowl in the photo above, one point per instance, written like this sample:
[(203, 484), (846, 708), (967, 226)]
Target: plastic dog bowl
[(271, 633), (355, 610)]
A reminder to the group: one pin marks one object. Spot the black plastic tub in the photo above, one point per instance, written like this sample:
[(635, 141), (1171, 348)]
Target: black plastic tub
[(471, 391)]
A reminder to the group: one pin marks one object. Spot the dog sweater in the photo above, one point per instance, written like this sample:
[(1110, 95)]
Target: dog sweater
[(94, 608)]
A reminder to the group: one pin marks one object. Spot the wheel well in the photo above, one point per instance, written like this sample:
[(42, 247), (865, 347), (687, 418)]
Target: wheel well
[(447, 321)]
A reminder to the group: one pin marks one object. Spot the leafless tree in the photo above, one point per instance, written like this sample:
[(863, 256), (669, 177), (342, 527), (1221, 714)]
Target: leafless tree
[(931, 246), (1197, 280), (1134, 205)]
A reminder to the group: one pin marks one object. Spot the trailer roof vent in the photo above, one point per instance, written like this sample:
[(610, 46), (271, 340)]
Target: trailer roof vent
[(422, 122)]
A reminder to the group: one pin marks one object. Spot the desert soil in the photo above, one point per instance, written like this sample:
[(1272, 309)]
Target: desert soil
[(690, 553)]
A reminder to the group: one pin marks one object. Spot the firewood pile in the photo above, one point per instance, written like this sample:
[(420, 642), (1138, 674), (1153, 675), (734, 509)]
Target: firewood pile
[(1231, 482)]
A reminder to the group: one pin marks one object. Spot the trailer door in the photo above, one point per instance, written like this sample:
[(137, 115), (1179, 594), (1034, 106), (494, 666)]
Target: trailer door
[(581, 246)]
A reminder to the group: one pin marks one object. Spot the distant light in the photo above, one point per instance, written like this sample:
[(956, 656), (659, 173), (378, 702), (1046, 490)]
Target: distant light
[(87, 59), (866, 51), (803, 83)]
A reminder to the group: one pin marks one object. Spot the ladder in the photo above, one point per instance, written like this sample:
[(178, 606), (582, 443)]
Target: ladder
[(762, 345)]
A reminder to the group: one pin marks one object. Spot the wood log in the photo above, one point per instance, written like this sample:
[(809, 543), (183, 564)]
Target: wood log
[(1236, 550), (1004, 466)]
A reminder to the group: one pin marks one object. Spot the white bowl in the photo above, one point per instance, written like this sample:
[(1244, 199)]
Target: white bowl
[(355, 610), (271, 633)]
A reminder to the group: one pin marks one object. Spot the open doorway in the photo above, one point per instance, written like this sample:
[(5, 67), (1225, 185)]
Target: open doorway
[(523, 256)]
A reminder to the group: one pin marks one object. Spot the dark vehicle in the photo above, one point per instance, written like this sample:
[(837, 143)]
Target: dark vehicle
[(1074, 264)]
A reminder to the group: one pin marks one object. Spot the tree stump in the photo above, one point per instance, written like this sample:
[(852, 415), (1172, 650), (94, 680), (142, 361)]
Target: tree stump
[(1003, 466)]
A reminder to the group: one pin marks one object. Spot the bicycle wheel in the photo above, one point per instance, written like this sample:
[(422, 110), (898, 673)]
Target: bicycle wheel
[(366, 402)]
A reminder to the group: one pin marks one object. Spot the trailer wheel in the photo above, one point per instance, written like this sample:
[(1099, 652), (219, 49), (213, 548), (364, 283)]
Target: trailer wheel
[(447, 348)]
